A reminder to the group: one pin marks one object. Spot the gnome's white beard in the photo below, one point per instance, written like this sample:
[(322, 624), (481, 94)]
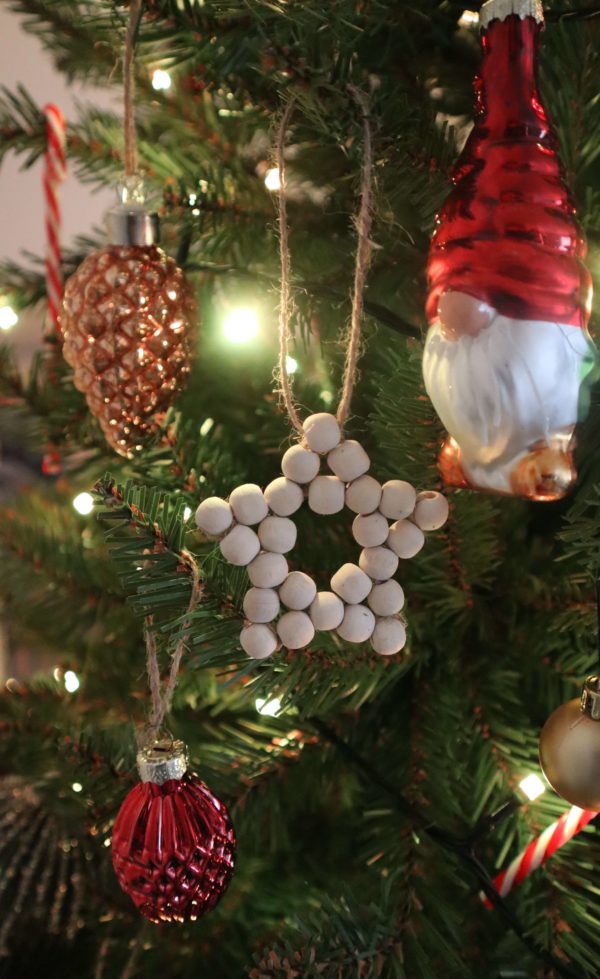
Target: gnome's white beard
[(514, 384)]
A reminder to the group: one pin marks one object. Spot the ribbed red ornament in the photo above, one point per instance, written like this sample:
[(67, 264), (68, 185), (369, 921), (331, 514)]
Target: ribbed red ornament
[(507, 233), (173, 848), (507, 354)]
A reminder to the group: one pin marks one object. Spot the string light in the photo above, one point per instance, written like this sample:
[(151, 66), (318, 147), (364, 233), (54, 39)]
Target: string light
[(71, 681), (532, 786), (206, 426), (8, 318), (241, 325), (161, 80), (272, 179), (187, 513), (468, 18), (84, 503), (269, 708), (291, 364), (77, 787)]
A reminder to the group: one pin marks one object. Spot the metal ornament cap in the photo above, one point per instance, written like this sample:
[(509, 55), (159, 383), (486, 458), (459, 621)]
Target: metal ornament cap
[(590, 697), (501, 9), (162, 761), (132, 224)]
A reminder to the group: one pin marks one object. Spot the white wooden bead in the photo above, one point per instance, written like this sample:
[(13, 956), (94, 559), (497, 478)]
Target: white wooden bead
[(378, 562), (300, 464), (298, 590), (386, 598), (348, 461), (326, 495), (370, 530), (326, 611), (277, 534), (261, 604), (351, 584), (214, 516), (283, 496), (398, 499), (295, 630), (431, 511), (358, 624), (258, 641), (322, 432), (268, 570), (248, 504), (405, 538), (363, 495), (389, 636), (240, 546)]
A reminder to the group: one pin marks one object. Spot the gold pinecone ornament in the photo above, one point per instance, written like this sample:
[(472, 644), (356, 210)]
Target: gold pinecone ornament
[(128, 325)]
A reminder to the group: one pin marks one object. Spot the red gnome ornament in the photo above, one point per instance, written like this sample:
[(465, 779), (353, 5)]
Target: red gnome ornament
[(173, 844), (509, 296)]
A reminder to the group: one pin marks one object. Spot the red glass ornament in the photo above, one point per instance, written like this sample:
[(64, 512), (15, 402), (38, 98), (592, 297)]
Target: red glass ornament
[(509, 296), (173, 847), (507, 233)]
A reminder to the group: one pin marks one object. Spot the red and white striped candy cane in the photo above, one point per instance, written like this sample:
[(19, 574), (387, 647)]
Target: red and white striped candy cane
[(540, 849), (55, 171)]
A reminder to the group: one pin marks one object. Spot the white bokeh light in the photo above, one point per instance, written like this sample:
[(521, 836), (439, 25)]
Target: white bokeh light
[(8, 318), (532, 786), (84, 503), (161, 80), (270, 708), (241, 325), (71, 681), (272, 179)]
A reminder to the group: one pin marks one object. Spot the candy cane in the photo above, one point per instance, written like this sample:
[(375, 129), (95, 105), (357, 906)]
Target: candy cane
[(540, 849), (55, 171)]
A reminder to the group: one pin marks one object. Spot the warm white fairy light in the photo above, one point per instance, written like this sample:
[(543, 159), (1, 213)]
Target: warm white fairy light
[(187, 512), (206, 426), (532, 786), (272, 179), (291, 364), (468, 18), (84, 503), (241, 325), (269, 708), (8, 318), (77, 787), (161, 80), (71, 681)]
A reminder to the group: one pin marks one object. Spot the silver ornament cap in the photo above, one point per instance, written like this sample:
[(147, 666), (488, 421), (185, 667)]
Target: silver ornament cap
[(501, 9), (132, 224), (590, 698), (162, 761)]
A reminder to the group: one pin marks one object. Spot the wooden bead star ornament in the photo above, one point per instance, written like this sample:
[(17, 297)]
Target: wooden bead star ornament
[(255, 529)]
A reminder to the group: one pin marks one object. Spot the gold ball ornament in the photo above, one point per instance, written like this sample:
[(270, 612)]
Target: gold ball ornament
[(570, 748), (127, 327)]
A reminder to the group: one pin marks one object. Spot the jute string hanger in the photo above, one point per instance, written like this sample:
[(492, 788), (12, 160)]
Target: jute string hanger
[(364, 250), (160, 699)]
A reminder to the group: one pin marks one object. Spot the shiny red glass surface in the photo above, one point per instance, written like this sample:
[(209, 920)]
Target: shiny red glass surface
[(507, 233), (173, 849)]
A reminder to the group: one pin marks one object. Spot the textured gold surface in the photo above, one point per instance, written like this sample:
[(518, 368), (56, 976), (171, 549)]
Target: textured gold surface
[(127, 324)]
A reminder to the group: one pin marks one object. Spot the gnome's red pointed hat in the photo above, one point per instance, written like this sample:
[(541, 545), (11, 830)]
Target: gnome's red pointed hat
[(507, 234)]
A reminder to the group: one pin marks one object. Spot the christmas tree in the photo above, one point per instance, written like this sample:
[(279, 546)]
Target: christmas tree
[(374, 797)]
